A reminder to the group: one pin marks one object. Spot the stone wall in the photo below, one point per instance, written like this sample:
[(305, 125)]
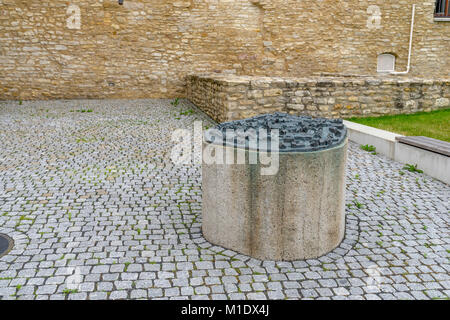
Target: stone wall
[(145, 48), (230, 97)]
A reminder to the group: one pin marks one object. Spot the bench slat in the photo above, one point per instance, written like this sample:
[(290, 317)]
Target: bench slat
[(430, 144)]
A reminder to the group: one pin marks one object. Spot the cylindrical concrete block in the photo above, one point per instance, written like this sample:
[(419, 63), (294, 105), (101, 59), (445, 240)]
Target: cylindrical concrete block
[(297, 213)]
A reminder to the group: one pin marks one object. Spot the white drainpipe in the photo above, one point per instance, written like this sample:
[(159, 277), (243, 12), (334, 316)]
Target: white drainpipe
[(410, 43)]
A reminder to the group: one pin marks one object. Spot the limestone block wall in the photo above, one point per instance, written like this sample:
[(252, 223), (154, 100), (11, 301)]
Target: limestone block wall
[(99, 49), (145, 48), (303, 37), (230, 97)]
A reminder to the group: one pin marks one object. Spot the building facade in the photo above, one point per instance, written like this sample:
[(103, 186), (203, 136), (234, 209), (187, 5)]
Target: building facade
[(146, 48)]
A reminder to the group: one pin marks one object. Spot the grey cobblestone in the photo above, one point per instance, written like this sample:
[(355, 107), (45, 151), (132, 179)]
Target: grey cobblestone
[(117, 295), (154, 293), (98, 211)]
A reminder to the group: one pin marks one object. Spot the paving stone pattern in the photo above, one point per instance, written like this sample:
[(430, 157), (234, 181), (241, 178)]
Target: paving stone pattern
[(98, 211)]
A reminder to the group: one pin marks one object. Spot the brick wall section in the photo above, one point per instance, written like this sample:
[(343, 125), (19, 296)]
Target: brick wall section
[(145, 48), (230, 97)]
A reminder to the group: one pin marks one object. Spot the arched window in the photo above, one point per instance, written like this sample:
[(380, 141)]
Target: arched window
[(386, 62)]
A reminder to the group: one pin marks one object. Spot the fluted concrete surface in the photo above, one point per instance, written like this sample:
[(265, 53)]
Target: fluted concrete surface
[(298, 213)]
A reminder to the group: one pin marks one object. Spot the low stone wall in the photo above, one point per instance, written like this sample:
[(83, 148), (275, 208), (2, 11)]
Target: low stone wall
[(230, 97)]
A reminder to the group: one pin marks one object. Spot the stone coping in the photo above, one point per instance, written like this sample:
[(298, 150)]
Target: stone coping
[(231, 79)]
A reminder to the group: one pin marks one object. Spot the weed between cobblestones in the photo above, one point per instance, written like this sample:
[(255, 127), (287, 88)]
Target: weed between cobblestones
[(116, 208)]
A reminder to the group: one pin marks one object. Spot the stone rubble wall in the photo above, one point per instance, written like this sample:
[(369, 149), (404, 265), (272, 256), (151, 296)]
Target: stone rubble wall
[(230, 97), (145, 48)]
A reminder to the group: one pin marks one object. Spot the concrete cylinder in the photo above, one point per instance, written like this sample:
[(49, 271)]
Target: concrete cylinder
[(297, 213)]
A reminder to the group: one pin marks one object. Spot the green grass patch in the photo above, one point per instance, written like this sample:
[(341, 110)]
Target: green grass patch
[(434, 124)]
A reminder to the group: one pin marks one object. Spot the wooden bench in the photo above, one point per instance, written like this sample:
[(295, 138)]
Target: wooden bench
[(429, 144)]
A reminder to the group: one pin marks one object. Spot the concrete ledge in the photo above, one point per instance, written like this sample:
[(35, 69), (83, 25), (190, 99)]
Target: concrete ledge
[(383, 140), (433, 164)]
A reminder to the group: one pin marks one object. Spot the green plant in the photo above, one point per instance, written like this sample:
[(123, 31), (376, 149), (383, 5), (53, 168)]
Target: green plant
[(357, 204), (69, 291), (368, 148), (175, 102), (412, 168), (187, 112)]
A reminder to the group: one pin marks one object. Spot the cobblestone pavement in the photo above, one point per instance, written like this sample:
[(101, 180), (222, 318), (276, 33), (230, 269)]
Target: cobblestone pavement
[(98, 211)]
